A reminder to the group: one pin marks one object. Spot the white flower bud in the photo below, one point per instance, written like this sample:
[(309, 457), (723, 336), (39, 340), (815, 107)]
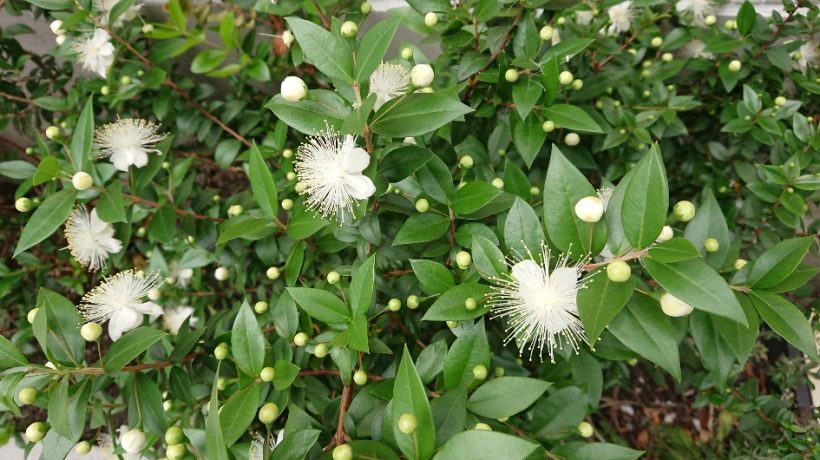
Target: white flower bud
[(349, 29), (666, 234), (710, 20), (735, 66), (82, 181), (287, 204), (589, 209), (36, 432), (407, 53), (31, 315), (60, 39), (565, 77), (23, 204), (91, 332), (52, 132), (463, 260), (546, 33), (421, 75), (221, 274), (272, 273), (147, 28), (154, 294), (674, 307), (56, 27), (287, 38), (293, 89), (572, 139), (235, 210), (431, 19), (133, 441)]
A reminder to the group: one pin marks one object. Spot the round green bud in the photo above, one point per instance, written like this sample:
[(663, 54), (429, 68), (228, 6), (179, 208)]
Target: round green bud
[(408, 423), (36, 432), (320, 350), (175, 452), (412, 302), (501, 152), (125, 80), (548, 126), (272, 273), (147, 28), (656, 42), (565, 77), (431, 19), (268, 413), (27, 395), (779, 100), (646, 73), (349, 29), (463, 260), (366, 8), (221, 352), (287, 204), (577, 84), (740, 263), (585, 429), (498, 183), (221, 274), (561, 21), (52, 132), (480, 372), (711, 245), (422, 205), (394, 304), (452, 324), (301, 339), (287, 153), (82, 448), (333, 277), (29, 150), (667, 57), (267, 374), (91, 331), (105, 90), (534, 191), (23, 204), (735, 66), (618, 271), (684, 210), (482, 427), (470, 304), (174, 435), (710, 20), (466, 162), (343, 452), (511, 75), (546, 33), (499, 371), (407, 53), (260, 307), (360, 377)]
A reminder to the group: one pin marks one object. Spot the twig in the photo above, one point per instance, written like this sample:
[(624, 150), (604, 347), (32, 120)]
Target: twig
[(341, 437), (180, 212), (474, 79)]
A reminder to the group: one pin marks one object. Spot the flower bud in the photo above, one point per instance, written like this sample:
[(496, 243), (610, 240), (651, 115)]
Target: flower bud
[(585, 429), (535, 191), (300, 339), (287, 204), (666, 234), (52, 132), (482, 427), (656, 42), (667, 57), (730, 24), (779, 100), (673, 306), (366, 8), (565, 77), (36, 432), (60, 39), (499, 371), (546, 33), (272, 273), (412, 302), (349, 29), (618, 271), (735, 66), (577, 84), (287, 38), (175, 452), (293, 89), (268, 413), (408, 423), (125, 80), (463, 260), (23, 204), (154, 294), (711, 245), (511, 75), (572, 139), (82, 448), (740, 263), (407, 53), (466, 162), (422, 75), (452, 324), (342, 452), (431, 19), (710, 20), (147, 28), (173, 435), (320, 350), (56, 27), (333, 277), (498, 183), (422, 205), (360, 377), (27, 395), (394, 304), (267, 374), (287, 153), (589, 209), (548, 126), (470, 304), (684, 210), (221, 274), (561, 21), (480, 372), (221, 352), (91, 332), (260, 307), (133, 441), (235, 210), (31, 315)]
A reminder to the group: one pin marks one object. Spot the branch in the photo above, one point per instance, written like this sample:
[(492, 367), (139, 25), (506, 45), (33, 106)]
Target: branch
[(179, 212), (474, 79)]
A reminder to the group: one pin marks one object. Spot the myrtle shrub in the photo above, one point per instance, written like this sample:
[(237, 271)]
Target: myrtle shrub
[(541, 229)]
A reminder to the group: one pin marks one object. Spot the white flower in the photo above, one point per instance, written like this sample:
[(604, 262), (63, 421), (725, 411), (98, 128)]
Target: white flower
[(293, 89), (127, 141), (621, 17), (699, 8), (118, 301), (696, 49), (90, 240), (173, 317), (422, 75), (96, 52), (388, 81), (540, 305), (807, 56), (105, 7), (583, 18), (330, 166)]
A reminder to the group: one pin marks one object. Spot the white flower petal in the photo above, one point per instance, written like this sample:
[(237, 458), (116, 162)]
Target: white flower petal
[(123, 321), (360, 186), (355, 160)]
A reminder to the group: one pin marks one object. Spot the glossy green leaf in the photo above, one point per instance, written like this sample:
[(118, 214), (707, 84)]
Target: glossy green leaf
[(709, 222), (325, 50), (373, 47), (81, 137), (572, 118), (486, 445), (778, 262), (417, 114), (129, 346), (247, 342), (785, 319), (48, 217), (450, 306), (506, 396), (646, 199), (262, 184), (421, 228), (321, 305), (523, 232), (433, 277), (645, 329), (600, 301), (362, 286), (238, 412), (410, 397), (468, 350)]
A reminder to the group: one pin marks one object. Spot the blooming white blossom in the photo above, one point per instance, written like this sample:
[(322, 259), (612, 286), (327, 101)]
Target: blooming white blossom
[(621, 16), (807, 56), (541, 305), (118, 301), (699, 9), (96, 52), (696, 49), (173, 317), (105, 7), (330, 166), (388, 81), (90, 240), (127, 141)]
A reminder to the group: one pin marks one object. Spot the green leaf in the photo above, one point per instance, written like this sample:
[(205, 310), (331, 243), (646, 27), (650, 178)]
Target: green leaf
[(321, 305), (645, 329), (46, 219), (129, 346), (17, 169), (176, 15), (523, 232), (506, 396), (697, 284), (296, 445), (304, 223), (208, 60), (110, 207), (82, 136), (286, 373), (417, 114), (600, 301), (785, 319), (449, 410), (646, 199), (245, 227), (436, 180), (238, 412), (215, 447), (431, 362), (328, 52), (488, 259), (605, 451), (410, 397), (420, 228), (740, 338), (247, 342), (64, 343), (362, 286), (451, 305), (357, 334), (10, 356), (373, 47), (434, 277), (56, 447), (566, 48), (468, 350), (674, 250), (262, 184), (47, 169), (715, 353), (778, 262), (148, 401), (709, 222), (67, 408), (528, 137), (572, 118), (746, 17), (163, 225), (526, 94), (479, 199), (310, 116), (51, 4), (403, 162), (486, 445), (563, 188), (560, 412)]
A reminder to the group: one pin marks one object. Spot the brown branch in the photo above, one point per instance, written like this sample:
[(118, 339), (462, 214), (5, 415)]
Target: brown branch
[(335, 372), (474, 79), (12, 97), (628, 256), (778, 30), (341, 437), (180, 212)]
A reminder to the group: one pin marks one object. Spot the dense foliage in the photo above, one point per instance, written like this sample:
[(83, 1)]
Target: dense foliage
[(577, 230)]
